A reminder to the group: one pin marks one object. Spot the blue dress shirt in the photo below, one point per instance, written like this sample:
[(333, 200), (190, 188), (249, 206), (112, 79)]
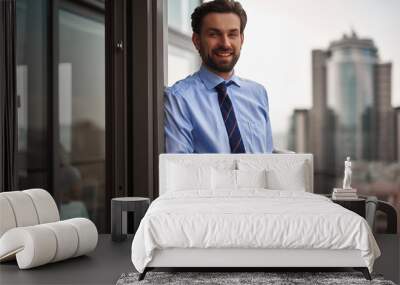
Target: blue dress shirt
[(193, 120)]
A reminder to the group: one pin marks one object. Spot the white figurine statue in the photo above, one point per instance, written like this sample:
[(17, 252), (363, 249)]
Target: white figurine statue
[(347, 174)]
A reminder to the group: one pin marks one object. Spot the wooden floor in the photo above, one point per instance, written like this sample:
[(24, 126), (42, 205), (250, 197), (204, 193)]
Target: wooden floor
[(111, 259)]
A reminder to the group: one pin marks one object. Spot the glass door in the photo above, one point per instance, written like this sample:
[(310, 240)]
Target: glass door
[(81, 78), (61, 146), (32, 91)]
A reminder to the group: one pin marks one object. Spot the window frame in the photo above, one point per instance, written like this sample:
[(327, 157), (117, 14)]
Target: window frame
[(8, 97), (135, 38)]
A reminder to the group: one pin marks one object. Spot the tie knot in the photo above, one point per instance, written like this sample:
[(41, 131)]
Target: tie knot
[(221, 88)]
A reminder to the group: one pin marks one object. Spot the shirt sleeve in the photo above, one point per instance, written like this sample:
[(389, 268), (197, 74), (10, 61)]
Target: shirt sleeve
[(269, 142), (177, 125)]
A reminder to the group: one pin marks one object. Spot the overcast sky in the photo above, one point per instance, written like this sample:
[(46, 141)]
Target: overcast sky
[(280, 36)]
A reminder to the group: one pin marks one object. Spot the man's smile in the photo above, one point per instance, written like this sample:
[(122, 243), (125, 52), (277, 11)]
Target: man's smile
[(223, 54)]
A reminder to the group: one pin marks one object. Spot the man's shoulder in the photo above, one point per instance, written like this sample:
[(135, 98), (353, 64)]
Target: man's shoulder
[(182, 86), (251, 84)]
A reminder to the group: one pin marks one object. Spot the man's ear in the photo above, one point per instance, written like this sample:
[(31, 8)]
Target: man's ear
[(242, 37), (196, 40)]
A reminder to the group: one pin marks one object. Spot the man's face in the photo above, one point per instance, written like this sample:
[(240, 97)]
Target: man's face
[(220, 41)]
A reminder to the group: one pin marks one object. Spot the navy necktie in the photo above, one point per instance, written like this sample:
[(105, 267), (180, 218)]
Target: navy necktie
[(228, 115)]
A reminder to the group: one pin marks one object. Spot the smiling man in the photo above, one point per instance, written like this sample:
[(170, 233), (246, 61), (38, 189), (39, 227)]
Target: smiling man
[(214, 110)]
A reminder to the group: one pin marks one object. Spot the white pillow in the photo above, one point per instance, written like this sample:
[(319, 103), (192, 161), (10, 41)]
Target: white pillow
[(237, 179), (223, 179), (251, 178), (279, 180), (287, 174), (188, 177)]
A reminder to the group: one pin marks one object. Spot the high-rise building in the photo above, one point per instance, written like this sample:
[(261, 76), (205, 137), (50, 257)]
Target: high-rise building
[(320, 119), (384, 114), (351, 113), (397, 127), (299, 137), (350, 96)]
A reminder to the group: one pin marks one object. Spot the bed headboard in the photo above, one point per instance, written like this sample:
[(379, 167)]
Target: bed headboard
[(285, 164)]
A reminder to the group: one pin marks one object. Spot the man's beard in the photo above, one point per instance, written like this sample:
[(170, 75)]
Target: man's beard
[(226, 67)]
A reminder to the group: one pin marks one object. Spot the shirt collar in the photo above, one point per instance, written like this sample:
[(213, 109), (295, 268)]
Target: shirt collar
[(211, 80)]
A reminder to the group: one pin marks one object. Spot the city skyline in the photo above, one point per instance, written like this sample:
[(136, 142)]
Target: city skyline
[(280, 59), (351, 104), (351, 116)]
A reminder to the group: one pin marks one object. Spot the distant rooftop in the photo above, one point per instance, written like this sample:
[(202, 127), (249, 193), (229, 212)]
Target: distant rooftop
[(353, 41)]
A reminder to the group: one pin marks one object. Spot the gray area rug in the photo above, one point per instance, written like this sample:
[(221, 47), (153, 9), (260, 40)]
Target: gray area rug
[(226, 278)]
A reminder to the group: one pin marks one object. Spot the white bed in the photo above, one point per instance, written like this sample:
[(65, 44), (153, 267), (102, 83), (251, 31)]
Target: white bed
[(214, 211)]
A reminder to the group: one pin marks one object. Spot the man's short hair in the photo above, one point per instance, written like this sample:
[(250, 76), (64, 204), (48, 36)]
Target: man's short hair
[(218, 6)]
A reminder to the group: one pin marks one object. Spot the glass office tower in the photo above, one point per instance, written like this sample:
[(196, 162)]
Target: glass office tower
[(350, 96)]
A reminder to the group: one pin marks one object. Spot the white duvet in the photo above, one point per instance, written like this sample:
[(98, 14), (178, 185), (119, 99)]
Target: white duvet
[(251, 218)]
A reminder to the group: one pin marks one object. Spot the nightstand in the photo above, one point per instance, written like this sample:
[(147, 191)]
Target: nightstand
[(356, 205), (119, 208)]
